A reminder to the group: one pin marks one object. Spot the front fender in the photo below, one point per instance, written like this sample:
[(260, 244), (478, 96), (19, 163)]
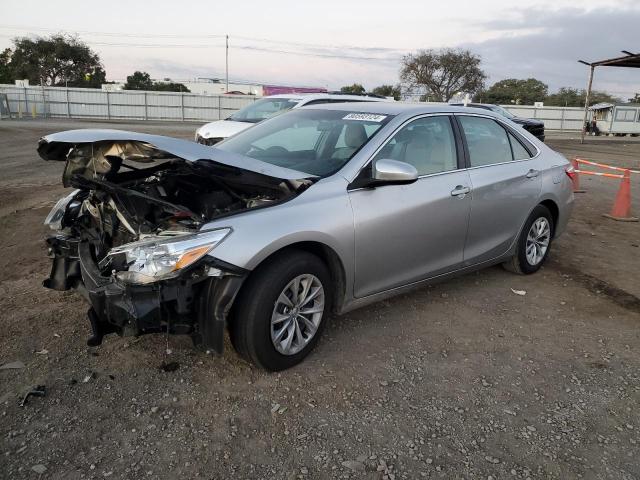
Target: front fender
[(321, 214)]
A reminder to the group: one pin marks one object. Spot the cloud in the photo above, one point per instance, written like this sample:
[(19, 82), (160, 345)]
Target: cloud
[(546, 44), (542, 43)]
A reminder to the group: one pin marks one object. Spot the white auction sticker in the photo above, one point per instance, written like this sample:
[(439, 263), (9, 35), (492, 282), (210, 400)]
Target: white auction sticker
[(367, 117)]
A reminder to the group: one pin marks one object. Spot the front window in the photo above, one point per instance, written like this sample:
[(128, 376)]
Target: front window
[(318, 142), (426, 143), (263, 109)]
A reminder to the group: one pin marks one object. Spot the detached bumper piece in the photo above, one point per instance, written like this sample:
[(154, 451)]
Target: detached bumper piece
[(194, 303)]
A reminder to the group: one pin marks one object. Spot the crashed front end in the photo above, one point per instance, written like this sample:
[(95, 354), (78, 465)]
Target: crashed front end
[(133, 239)]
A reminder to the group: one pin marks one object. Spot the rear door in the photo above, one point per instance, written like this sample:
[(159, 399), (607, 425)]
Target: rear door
[(405, 233), (506, 177)]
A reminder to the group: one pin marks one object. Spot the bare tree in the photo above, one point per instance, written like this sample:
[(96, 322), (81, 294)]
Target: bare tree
[(442, 73)]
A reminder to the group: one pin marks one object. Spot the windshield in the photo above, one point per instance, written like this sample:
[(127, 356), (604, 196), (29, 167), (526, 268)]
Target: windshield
[(317, 142), (502, 111), (263, 109)]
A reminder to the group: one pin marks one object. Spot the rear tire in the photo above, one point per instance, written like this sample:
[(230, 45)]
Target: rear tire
[(273, 327), (533, 244)]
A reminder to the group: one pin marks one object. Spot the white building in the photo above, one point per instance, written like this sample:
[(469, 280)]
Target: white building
[(217, 86)]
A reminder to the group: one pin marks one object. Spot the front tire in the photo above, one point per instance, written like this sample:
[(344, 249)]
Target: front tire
[(280, 313), (533, 243)]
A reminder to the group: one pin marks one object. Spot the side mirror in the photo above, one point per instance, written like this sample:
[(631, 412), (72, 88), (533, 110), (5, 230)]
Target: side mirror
[(389, 172)]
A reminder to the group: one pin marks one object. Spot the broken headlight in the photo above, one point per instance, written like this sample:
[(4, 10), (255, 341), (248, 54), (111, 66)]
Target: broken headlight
[(158, 257), (56, 215)]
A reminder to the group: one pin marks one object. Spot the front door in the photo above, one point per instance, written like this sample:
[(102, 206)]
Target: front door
[(406, 233)]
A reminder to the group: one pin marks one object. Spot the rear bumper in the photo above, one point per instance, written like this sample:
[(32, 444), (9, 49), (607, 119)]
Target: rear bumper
[(194, 303)]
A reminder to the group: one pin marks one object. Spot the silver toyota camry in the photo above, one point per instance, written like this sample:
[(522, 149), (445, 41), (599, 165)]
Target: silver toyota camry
[(318, 211)]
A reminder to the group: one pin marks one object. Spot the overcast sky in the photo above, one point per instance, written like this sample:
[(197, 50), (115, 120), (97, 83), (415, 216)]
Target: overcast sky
[(341, 42)]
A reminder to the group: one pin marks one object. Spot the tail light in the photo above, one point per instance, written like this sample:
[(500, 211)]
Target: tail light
[(570, 171)]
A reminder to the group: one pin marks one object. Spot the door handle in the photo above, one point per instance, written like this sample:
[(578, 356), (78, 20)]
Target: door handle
[(460, 191), (532, 173)]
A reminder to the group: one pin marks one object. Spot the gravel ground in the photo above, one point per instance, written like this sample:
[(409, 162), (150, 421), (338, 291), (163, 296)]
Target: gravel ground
[(464, 379)]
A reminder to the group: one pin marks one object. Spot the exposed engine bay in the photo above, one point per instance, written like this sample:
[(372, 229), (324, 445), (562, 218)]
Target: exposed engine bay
[(131, 240), (121, 201)]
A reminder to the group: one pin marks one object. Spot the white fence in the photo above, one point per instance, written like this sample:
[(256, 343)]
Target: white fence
[(60, 102), (554, 118)]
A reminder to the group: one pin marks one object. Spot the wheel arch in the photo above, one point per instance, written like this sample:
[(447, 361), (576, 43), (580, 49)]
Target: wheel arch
[(328, 256), (553, 208)]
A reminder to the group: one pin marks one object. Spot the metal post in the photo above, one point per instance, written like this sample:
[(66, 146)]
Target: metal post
[(219, 107), (108, 106), (586, 103), (227, 63), (67, 98), (562, 119), (26, 101), (44, 103), (182, 105), (146, 116)]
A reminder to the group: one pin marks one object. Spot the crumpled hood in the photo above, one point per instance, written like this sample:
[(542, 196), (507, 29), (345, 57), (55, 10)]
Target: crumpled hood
[(138, 146)]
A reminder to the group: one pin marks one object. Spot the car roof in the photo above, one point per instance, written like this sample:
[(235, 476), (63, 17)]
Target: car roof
[(396, 108), (458, 104), (333, 96), (473, 104)]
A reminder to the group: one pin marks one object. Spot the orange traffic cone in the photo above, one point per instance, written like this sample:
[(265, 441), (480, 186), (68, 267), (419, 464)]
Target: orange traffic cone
[(575, 179), (622, 206)]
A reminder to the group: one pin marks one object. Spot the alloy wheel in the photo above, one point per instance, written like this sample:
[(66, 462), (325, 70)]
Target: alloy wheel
[(297, 314), (538, 240)]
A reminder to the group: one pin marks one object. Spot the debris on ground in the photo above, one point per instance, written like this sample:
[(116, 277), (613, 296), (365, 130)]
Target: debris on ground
[(519, 292), (12, 365), (37, 391), (354, 465), (39, 468), (169, 367)]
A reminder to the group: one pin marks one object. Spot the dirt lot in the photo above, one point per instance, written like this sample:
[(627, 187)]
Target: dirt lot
[(460, 380)]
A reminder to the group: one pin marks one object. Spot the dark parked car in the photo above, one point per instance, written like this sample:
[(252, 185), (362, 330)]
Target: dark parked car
[(535, 127)]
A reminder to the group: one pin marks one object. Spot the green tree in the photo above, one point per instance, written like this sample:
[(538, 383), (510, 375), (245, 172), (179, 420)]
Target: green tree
[(142, 81), (6, 75), (388, 91), (56, 60), (573, 97), (635, 99), (169, 87), (356, 88), (440, 74), (513, 90), (139, 81)]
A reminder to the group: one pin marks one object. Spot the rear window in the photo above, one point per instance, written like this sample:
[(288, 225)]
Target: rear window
[(489, 142)]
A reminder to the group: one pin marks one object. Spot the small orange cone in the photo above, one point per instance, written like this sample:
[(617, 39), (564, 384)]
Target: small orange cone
[(622, 206), (575, 179)]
